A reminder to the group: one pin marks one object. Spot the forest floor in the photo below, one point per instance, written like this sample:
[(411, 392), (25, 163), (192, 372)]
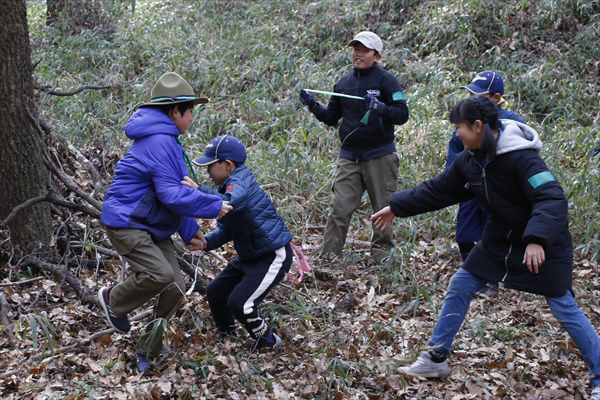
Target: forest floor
[(346, 329)]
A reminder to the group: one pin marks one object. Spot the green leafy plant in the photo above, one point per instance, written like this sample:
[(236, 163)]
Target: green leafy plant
[(39, 330)]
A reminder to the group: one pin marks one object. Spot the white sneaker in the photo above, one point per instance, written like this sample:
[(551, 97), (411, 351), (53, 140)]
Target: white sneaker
[(595, 393), (424, 367)]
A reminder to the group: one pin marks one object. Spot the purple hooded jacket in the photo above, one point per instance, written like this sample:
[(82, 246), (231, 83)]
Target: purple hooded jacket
[(146, 192)]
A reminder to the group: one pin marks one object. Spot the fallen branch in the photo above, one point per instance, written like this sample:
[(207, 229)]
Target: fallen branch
[(72, 186), (98, 182), (39, 278), (84, 293), (329, 332), (68, 182), (8, 374), (48, 197), (99, 249), (48, 90)]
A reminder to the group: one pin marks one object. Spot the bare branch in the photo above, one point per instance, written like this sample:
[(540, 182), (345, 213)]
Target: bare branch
[(60, 174), (21, 206), (68, 182), (48, 90), (84, 293), (39, 278), (48, 197), (95, 336), (98, 182)]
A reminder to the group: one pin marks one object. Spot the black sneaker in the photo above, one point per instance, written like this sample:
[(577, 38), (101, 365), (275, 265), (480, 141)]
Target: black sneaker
[(272, 343), (120, 324)]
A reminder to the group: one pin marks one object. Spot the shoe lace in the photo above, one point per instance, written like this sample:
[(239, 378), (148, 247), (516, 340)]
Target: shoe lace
[(421, 361)]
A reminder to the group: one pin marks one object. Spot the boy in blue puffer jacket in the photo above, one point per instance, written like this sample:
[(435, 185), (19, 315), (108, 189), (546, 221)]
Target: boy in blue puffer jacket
[(146, 204), (472, 217), (259, 236)]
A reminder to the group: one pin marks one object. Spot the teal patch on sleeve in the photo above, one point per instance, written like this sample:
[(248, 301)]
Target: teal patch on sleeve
[(541, 178), (365, 119), (398, 96)]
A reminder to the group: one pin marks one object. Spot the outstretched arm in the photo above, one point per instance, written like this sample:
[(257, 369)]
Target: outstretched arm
[(225, 207), (383, 218)]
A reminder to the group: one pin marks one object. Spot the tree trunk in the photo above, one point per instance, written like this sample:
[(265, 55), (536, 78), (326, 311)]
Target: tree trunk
[(22, 173)]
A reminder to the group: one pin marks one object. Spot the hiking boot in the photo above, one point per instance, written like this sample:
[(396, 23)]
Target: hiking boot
[(425, 367), (142, 362), (271, 342), (119, 324)]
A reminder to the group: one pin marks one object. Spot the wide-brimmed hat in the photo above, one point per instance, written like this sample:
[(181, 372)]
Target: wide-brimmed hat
[(172, 89)]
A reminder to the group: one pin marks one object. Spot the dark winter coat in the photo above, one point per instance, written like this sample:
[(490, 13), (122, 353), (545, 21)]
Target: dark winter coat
[(146, 191), (376, 138), (526, 203), (254, 225)]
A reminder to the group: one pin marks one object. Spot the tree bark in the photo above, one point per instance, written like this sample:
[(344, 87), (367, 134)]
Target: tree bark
[(22, 174)]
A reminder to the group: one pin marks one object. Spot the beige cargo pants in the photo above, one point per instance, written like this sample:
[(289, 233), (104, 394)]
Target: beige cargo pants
[(379, 177)]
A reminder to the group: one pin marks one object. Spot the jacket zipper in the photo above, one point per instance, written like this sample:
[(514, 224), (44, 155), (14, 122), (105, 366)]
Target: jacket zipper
[(487, 197), (506, 257), (490, 203)]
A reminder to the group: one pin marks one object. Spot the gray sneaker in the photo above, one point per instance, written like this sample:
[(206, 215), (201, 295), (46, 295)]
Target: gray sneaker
[(424, 367), (595, 393)]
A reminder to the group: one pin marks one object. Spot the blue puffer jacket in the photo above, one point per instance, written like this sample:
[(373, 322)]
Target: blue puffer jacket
[(254, 225), (146, 191)]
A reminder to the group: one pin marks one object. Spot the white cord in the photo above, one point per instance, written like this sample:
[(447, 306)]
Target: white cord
[(191, 289)]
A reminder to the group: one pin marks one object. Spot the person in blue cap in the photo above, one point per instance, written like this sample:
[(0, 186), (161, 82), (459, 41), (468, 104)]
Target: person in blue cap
[(146, 204), (472, 217), (259, 235)]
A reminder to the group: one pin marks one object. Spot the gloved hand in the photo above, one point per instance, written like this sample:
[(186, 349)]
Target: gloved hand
[(307, 99), (375, 105)]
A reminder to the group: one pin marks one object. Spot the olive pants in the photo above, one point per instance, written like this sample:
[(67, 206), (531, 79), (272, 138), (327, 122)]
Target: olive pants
[(379, 177), (155, 271)]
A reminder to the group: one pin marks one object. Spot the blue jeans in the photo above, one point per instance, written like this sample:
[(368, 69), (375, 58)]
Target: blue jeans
[(463, 287)]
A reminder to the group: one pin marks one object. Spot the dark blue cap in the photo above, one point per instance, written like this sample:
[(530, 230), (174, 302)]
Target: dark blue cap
[(486, 82), (222, 148)]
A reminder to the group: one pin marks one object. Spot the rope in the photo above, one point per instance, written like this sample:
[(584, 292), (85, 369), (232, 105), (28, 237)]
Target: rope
[(187, 159)]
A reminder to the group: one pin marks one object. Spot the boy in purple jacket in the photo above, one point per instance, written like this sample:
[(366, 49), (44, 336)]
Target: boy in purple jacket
[(146, 204)]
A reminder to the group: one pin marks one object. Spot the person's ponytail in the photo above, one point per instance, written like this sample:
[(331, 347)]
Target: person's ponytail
[(483, 109)]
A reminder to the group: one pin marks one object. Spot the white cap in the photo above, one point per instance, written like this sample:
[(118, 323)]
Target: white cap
[(369, 40)]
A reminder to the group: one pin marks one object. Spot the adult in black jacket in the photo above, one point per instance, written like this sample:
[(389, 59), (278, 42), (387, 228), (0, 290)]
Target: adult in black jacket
[(526, 245)]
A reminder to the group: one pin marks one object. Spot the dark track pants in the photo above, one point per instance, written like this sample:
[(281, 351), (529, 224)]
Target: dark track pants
[(238, 290)]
